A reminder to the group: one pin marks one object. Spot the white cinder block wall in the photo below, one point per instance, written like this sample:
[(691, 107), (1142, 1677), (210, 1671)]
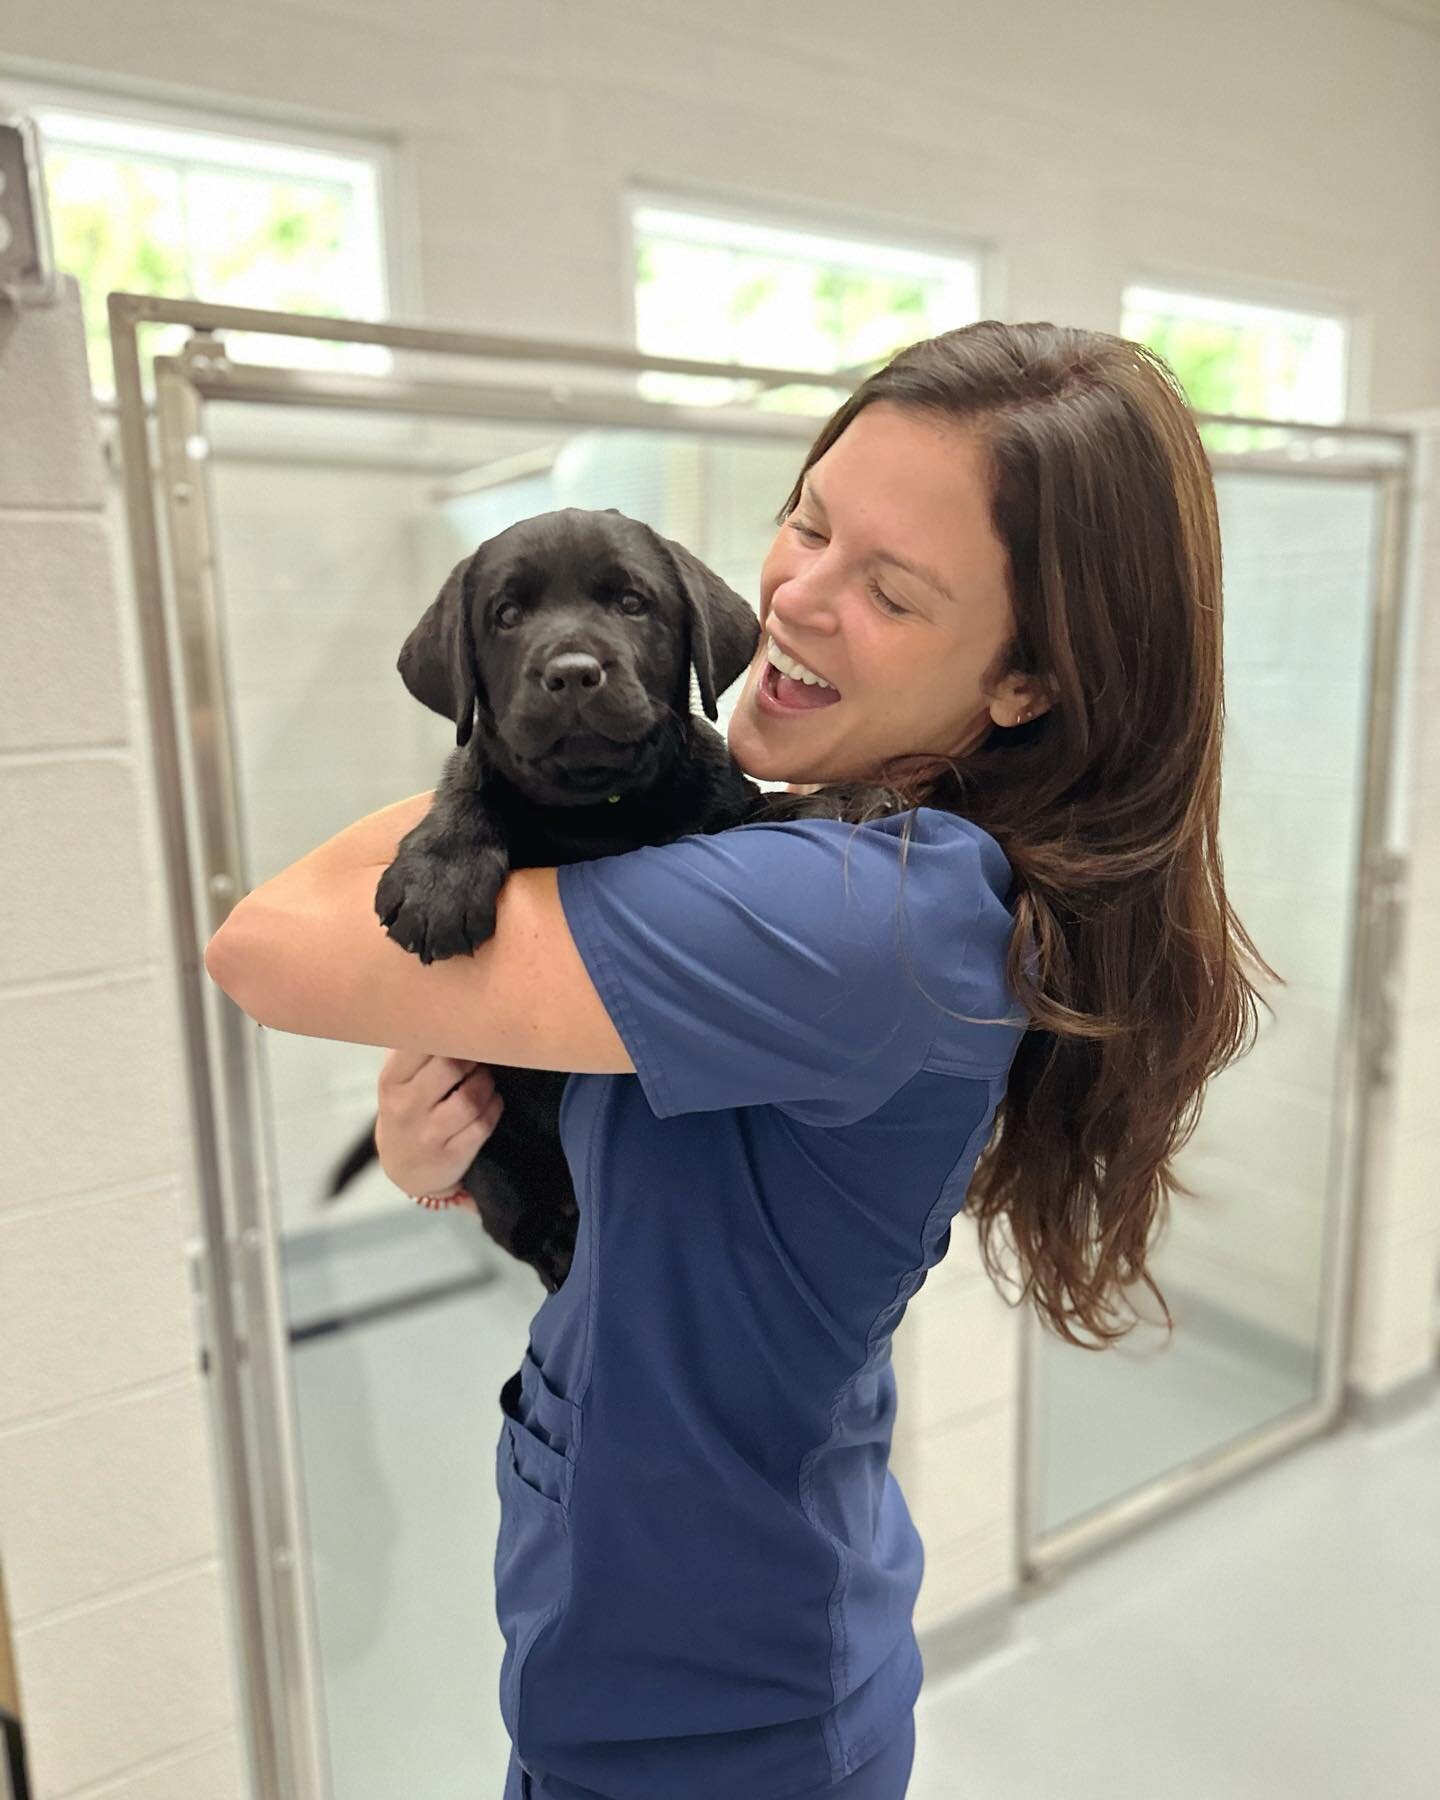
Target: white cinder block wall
[(1236, 145), (108, 1522)]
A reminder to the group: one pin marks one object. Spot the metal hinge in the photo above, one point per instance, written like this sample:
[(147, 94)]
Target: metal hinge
[(1388, 899)]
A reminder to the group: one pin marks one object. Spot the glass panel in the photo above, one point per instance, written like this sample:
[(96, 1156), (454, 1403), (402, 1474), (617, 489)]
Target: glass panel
[(1241, 1265), (333, 533)]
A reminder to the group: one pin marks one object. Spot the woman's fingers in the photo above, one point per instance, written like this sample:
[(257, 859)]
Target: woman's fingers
[(401, 1066), (477, 1127), (479, 1084), (475, 1099), (435, 1113), (433, 1078)]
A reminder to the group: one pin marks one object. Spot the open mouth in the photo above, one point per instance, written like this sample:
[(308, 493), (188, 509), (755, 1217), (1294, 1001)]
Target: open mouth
[(785, 694)]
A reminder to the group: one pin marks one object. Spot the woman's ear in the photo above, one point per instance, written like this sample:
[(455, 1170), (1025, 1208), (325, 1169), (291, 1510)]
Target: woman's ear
[(1020, 701), (1033, 705)]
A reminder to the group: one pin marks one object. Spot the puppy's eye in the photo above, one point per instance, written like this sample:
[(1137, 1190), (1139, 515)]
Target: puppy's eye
[(509, 612), (633, 603)]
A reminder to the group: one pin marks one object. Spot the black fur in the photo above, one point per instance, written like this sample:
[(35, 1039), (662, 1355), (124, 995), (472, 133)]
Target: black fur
[(574, 740)]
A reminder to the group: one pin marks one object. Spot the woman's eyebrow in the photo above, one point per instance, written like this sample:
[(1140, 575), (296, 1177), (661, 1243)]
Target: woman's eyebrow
[(809, 491)]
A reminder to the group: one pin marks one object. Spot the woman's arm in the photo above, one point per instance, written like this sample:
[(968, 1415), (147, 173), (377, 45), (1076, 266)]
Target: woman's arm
[(305, 952)]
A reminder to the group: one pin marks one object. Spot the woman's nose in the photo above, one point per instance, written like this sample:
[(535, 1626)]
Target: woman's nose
[(805, 602)]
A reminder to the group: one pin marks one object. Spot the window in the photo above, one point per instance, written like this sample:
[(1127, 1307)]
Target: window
[(151, 205), (1235, 357), (726, 289)]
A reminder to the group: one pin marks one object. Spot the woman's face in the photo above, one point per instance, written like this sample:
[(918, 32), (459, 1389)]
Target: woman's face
[(904, 657)]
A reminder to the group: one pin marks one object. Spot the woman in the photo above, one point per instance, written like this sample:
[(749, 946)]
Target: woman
[(999, 982)]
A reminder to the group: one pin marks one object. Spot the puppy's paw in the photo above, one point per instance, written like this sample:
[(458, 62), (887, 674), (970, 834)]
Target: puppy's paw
[(434, 906)]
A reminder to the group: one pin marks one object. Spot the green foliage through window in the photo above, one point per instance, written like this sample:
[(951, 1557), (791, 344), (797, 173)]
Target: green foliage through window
[(126, 219), (1233, 358), (724, 291)]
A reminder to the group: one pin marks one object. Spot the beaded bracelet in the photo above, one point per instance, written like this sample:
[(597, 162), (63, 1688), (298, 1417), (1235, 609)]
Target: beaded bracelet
[(454, 1197)]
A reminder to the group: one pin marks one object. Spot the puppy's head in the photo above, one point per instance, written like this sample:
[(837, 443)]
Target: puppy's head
[(567, 640)]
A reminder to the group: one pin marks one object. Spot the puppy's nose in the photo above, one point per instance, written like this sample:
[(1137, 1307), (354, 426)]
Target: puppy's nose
[(571, 671)]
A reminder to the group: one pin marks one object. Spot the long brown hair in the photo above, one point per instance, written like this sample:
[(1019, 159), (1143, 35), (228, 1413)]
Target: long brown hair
[(1126, 953)]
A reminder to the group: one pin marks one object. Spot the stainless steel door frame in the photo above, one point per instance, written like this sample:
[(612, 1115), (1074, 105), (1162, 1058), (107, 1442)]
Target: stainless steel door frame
[(236, 1271), (1366, 1040)]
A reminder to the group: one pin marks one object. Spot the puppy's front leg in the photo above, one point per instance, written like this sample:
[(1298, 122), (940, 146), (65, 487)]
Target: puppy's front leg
[(438, 898)]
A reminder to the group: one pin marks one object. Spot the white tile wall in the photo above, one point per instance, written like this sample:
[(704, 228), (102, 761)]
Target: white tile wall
[(955, 1453), (1190, 145), (126, 1679), (108, 1521), (135, 1473)]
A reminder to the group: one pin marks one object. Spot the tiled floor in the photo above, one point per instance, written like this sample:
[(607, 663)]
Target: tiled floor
[(1280, 1640)]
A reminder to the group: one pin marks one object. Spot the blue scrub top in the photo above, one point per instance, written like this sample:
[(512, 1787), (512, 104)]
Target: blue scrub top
[(705, 1572)]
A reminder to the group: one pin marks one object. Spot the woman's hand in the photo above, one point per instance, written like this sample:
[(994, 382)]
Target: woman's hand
[(435, 1113)]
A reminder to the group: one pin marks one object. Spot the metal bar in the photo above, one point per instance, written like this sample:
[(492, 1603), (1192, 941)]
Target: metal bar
[(1398, 433), (443, 340), (206, 316), (1334, 468), (413, 1300), (276, 1513), (243, 1572), (1178, 1488), (561, 405), (1365, 1044)]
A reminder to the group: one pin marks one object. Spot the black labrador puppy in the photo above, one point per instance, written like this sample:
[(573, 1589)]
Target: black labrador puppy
[(562, 650)]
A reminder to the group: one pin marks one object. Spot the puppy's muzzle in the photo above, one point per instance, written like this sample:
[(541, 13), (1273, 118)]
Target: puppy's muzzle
[(577, 710), (574, 673)]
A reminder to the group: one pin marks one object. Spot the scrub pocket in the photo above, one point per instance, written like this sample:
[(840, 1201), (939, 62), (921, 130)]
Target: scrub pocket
[(533, 1471)]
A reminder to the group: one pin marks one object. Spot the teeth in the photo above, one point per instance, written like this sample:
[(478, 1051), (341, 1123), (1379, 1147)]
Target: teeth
[(787, 665)]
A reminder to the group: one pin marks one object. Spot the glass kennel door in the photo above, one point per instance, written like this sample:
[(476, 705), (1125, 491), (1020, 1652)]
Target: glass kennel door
[(1254, 1266), (305, 539), (402, 1322)]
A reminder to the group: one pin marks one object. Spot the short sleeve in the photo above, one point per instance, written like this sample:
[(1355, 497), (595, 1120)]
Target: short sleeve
[(782, 963)]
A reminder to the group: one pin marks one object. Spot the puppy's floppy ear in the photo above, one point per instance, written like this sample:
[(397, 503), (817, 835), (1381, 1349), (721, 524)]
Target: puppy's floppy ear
[(724, 628), (438, 662)]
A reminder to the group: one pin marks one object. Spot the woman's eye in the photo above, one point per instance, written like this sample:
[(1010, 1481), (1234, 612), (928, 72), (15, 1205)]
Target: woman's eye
[(508, 612), (886, 604), (881, 599), (632, 603)]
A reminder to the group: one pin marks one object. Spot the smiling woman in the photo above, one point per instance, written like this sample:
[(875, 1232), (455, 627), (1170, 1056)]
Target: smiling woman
[(908, 671)]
